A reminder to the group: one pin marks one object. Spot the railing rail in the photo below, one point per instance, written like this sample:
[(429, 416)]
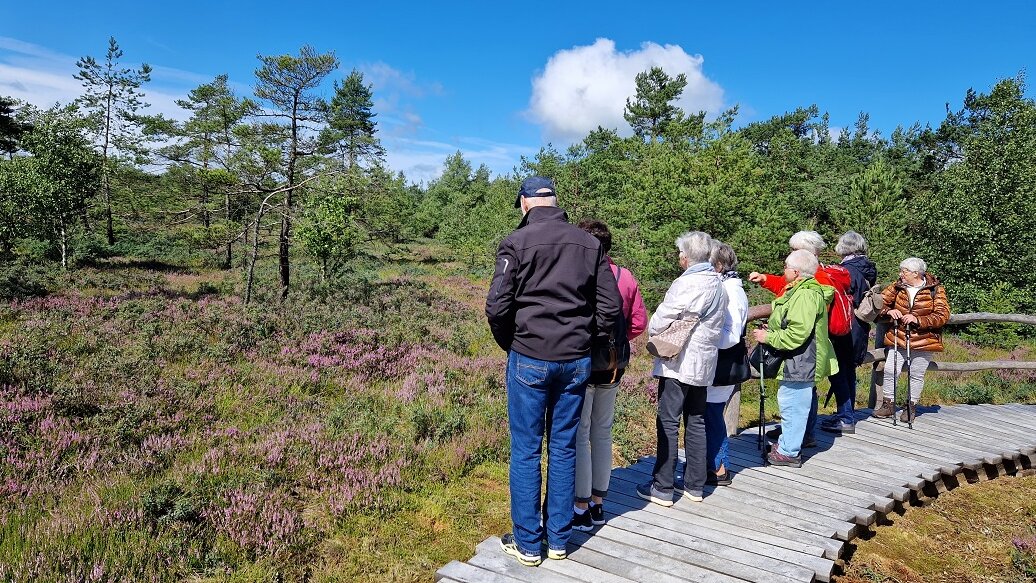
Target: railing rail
[(876, 356)]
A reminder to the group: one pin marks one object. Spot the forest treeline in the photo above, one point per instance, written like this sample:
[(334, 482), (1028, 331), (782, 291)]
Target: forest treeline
[(284, 173)]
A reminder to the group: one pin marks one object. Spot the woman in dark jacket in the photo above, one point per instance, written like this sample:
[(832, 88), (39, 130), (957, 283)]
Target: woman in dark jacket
[(852, 247)]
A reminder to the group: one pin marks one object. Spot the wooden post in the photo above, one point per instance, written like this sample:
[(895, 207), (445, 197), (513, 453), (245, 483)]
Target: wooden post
[(878, 369), (732, 412)]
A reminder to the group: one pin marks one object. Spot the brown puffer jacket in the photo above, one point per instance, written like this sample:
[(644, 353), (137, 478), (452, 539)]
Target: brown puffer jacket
[(930, 307)]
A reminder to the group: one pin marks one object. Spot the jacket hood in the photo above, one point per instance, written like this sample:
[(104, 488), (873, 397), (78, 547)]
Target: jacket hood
[(864, 265), (826, 291)]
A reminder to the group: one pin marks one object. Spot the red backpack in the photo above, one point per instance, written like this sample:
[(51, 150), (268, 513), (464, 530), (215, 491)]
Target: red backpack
[(840, 316)]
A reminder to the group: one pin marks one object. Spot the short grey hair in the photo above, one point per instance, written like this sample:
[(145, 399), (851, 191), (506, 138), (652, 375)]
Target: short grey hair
[(803, 261), (534, 201), (696, 246), (851, 243), (915, 264), (722, 257), (809, 240)]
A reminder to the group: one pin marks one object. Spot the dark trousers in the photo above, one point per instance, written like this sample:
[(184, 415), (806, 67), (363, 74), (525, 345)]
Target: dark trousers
[(843, 383), (678, 401)]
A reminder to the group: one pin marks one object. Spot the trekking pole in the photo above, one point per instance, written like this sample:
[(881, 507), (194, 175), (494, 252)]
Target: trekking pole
[(762, 412), (910, 417), (895, 371)]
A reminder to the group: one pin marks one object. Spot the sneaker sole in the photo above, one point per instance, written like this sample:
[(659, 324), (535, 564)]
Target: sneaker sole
[(557, 555), (786, 464), (583, 528), (659, 501), (520, 556)]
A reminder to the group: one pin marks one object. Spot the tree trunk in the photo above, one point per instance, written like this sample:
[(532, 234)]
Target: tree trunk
[(109, 226), (230, 244), (284, 247), (64, 246), (255, 255)]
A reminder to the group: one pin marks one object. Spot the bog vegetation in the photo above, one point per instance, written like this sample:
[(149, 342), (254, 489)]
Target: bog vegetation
[(237, 347)]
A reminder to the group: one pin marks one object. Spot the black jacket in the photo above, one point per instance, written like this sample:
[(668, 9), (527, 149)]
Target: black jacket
[(552, 289), (862, 275)]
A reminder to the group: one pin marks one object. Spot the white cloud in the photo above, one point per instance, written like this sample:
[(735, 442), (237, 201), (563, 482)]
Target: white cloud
[(42, 77), (587, 86)]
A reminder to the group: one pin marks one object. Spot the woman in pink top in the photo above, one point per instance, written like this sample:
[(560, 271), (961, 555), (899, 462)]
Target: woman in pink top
[(594, 437)]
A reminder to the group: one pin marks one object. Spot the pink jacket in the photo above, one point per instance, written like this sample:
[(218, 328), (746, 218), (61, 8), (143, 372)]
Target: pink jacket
[(632, 302)]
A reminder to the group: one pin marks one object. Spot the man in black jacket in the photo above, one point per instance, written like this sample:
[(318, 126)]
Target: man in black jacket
[(551, 293)]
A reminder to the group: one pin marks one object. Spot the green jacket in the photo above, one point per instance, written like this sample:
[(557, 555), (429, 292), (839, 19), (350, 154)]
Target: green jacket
[(798, 327)]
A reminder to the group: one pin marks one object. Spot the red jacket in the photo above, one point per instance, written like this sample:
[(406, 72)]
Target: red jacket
[(777, 283)]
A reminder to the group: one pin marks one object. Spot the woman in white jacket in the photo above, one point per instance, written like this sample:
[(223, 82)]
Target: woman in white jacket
[(696, 295), (724, 260)]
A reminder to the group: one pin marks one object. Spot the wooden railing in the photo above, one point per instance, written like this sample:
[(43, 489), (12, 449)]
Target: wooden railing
[(876, 356)]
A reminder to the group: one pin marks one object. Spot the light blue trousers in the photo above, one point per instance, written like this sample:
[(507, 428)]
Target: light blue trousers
[(794, 399)]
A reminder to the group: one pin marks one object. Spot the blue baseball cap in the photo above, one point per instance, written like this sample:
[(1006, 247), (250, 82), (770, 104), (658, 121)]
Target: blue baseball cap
[(535, 186)]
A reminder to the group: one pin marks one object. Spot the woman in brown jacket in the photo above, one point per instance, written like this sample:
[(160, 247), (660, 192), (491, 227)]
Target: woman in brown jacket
[(916, 302)]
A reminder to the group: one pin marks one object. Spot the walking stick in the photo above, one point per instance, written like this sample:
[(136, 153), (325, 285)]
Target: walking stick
[(762, 412), (896, 367), (910, 416)]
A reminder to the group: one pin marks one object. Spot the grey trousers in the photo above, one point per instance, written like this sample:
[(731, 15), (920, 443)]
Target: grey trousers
[(894, 363), (594, 442)]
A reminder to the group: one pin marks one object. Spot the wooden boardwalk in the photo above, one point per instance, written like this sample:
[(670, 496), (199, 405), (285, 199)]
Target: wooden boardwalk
[(775, 524)]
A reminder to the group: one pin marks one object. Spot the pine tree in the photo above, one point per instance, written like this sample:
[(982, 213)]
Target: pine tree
[(351, 128), (653, 111), (112, 100)]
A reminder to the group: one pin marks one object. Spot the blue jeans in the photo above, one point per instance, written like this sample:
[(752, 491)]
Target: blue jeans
[(541, 392), (794, 399), (716, 445)]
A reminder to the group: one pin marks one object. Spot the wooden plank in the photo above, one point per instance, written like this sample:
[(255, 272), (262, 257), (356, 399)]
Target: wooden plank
[(904, 434), (616, 564), (703, 553), (496, 561), (938, 463), (946, 426), (876, 501), (835, 459), (880, 457), (791, 517), (984, 422), (801, 491), (728, 535), (569, 568), (630, 550), (769, 523), (946, 463), (824, 474), (465, 573)]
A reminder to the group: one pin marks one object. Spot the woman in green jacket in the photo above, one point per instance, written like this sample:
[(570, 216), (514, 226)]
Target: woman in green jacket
[(798, 329)]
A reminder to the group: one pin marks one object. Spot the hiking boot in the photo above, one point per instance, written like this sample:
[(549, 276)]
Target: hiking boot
[(718, 479), (887, 409), (777, 458), (582, 521), (774, 433), (840, 427), (597, 514), (648, 492), (510, 546), (908, 413)]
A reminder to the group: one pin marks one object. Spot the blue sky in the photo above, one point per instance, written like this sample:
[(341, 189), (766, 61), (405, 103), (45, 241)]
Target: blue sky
[(499, 80)]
